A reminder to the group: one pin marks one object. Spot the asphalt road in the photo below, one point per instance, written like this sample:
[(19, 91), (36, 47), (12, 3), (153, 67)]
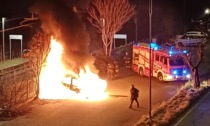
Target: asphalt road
[(112, 111)]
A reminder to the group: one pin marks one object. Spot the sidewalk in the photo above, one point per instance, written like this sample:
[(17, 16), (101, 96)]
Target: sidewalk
[(11, 63), (198, 115)]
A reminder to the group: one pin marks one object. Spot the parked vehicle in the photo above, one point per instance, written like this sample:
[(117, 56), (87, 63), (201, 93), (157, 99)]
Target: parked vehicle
[(164, 65), (189, 40), (196, 34)]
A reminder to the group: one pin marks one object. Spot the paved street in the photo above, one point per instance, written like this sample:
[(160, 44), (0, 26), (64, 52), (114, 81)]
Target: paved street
[(198, 114), (113, 111)]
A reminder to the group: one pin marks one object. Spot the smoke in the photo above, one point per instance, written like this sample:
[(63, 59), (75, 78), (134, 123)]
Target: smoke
[(58, 18)]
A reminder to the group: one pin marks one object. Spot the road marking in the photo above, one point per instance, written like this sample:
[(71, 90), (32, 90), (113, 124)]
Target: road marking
[(191, 109)]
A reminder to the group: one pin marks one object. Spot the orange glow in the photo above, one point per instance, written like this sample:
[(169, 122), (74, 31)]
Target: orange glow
[(53, 75)]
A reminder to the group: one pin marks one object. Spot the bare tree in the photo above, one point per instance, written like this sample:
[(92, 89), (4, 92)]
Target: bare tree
[(39, 46), (20, 84), (193, 59), (108, 16)]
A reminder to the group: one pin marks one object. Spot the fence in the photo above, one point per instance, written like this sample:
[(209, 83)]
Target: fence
[(14, 54), (18, 85)]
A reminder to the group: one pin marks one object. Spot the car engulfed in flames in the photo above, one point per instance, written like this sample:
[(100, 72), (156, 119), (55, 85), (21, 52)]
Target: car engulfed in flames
[(56, 82)]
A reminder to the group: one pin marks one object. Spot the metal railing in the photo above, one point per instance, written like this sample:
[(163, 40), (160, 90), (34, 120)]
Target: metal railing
[(17, 85), (14, 54)]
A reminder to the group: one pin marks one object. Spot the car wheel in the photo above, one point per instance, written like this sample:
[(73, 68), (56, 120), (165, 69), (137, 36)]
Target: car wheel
[(141, 72), (160, 77)]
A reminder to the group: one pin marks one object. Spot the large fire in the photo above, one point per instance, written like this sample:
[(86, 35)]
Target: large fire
[(53, 76)]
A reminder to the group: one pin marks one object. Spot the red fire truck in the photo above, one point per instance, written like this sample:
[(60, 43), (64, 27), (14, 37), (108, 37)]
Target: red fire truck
[(164, 65)]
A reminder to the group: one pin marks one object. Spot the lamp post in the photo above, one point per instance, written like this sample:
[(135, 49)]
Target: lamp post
[(207, 11), (150, 58), (3, 50), (136, 26)]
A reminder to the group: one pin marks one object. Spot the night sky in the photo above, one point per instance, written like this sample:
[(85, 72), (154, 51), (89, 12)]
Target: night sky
[(191, 8), (163, 11)]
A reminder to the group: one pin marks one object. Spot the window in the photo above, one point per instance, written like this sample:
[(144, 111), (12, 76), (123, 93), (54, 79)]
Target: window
[(177, 61), (157, 57), (163, 59), (136, 56)]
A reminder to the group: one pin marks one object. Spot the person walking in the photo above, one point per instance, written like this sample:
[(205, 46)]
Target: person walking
[(134, 92)]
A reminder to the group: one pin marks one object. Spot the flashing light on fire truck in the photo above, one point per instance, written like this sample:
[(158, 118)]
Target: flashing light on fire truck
[(184, 72), (173, 51), (164, 66), (154, 46), (184, 51)]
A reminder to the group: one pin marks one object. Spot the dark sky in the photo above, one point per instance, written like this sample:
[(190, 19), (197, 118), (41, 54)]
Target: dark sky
[(14, 8), (176, 10), (191, 8)]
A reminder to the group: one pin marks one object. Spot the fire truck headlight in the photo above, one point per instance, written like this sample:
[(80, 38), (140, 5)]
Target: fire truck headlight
[(175, 72), (169, 77), (188, 76)]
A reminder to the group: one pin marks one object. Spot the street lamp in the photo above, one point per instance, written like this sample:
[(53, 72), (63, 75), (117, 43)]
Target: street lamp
[(136, 24), (207, 11), (3, 50), (150, 58)]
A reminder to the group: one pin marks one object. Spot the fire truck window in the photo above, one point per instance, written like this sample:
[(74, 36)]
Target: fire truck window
[(157, 57), (136, 56), (176, 61), (163, 59)]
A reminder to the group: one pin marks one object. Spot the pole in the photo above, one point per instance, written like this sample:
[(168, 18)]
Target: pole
[(150, 60), (136, 24), (184, 15), (136, 29), (3, 50)]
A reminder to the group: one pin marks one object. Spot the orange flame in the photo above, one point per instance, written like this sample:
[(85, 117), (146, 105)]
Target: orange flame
[(53, 75)]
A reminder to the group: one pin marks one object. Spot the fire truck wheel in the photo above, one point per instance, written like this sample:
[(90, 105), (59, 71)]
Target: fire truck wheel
[(160, 77), (141, 72)]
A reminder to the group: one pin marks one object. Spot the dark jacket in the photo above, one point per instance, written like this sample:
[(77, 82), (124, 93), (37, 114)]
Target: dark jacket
[(134, 93)]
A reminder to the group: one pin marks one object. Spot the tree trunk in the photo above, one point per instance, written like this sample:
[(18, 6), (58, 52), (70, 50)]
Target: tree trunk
[(196, 77), (110, 47), (106, 50)]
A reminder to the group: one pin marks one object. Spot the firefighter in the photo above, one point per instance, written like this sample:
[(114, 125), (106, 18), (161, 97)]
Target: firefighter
[(134, 92), (116, 69), (113, 70), (127, 61), (110, 70)]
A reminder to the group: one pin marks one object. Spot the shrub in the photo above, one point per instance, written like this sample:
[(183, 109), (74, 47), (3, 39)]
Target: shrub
[(168, 111)]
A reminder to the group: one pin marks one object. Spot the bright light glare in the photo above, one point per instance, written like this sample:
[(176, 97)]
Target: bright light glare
[(53, 74), (154, 46), (169, 77), (207, 11), (188, 76), (175, 72), (184, 51)]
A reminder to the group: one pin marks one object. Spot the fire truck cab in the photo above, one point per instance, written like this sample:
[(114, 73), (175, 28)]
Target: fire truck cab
[(164, 66)]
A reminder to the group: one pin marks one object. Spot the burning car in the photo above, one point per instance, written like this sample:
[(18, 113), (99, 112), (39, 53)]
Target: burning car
[(68, 82), (85, 83)]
